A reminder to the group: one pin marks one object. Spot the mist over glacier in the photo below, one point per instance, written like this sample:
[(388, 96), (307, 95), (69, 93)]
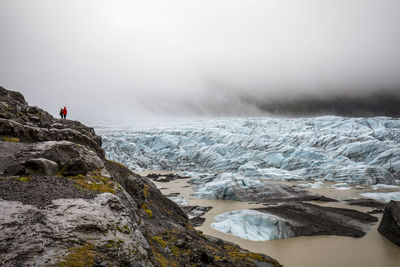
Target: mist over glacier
[(130, 59)]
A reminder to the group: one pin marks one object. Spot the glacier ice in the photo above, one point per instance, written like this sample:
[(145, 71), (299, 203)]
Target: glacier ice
[(383, 196), (315, 185), (356, 151), (181, 201), (341, 186), (252, 225), (384, 186), (231, 186)]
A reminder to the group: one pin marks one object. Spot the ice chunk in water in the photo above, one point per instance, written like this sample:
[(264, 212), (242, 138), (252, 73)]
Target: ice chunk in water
[(384, 197), (252, 225)]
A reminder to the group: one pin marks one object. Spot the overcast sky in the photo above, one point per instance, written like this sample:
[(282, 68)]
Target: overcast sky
[(129, 58)]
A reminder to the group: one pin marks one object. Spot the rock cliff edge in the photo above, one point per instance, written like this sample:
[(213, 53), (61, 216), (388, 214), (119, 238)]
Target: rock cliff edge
[(63, 203)]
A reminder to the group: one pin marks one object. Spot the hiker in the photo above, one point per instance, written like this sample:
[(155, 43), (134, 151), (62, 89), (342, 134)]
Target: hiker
[(65, 113), (61, 113)]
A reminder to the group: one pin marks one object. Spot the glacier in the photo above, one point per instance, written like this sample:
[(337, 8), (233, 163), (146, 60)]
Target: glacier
[(216, 152), (252, 225), (383, 196), (181, 201)]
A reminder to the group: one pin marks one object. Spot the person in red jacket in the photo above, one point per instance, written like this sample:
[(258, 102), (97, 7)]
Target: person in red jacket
[(65, 113)]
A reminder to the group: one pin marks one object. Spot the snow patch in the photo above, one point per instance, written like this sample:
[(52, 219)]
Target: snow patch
[(181, 201)]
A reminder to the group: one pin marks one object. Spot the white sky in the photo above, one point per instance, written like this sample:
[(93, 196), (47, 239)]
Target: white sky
[(126, 58)]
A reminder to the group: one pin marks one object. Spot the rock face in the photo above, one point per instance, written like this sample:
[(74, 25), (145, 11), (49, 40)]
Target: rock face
[(365, 202), (33, 124), (37, 237), (63, 203), (390, 223)]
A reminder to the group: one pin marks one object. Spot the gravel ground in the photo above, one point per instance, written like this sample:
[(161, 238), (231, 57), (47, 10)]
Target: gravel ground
[(40, 190)]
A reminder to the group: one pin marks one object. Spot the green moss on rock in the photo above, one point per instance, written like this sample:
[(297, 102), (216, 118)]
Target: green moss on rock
[(99, 184), (10, 139), (80, 256)]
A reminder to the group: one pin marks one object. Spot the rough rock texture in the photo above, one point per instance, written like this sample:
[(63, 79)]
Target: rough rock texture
[(306, 219), (390, 223), (62, 203), (38, 237), (366, 202), (40, 191), (45, 166), (18, 119)]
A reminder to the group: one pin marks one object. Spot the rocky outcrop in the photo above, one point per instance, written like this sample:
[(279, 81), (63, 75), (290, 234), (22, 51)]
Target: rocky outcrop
[(304, 219), (390, 223), (68, 227), (33, 124), (366, 202), (62, 203)]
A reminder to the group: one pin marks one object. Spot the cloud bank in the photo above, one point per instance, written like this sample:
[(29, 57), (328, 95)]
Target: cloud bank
[(136, 58)]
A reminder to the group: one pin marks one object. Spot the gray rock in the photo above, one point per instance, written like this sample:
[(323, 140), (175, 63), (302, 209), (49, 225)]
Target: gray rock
[(7, 157), (306, 219), (42, 166), (42, 237), (390, 223), (73, 158), (366, 202), (197, 221), (14, 169)]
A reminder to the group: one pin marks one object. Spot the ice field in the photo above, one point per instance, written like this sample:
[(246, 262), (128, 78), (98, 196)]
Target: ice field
[(353, 150)]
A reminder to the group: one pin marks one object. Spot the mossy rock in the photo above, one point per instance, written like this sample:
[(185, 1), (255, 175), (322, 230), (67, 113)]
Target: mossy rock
[(10, 139)]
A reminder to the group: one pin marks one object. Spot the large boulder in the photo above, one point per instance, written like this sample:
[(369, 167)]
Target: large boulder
[(306, 219), (41, 165), (71, 158), (291, 220), (390, 223), (9, 165)]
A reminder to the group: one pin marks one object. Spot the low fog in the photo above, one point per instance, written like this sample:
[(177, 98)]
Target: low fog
[(125, 59)]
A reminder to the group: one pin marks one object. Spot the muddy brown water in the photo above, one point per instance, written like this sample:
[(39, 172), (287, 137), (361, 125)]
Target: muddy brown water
[(372, 250)]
